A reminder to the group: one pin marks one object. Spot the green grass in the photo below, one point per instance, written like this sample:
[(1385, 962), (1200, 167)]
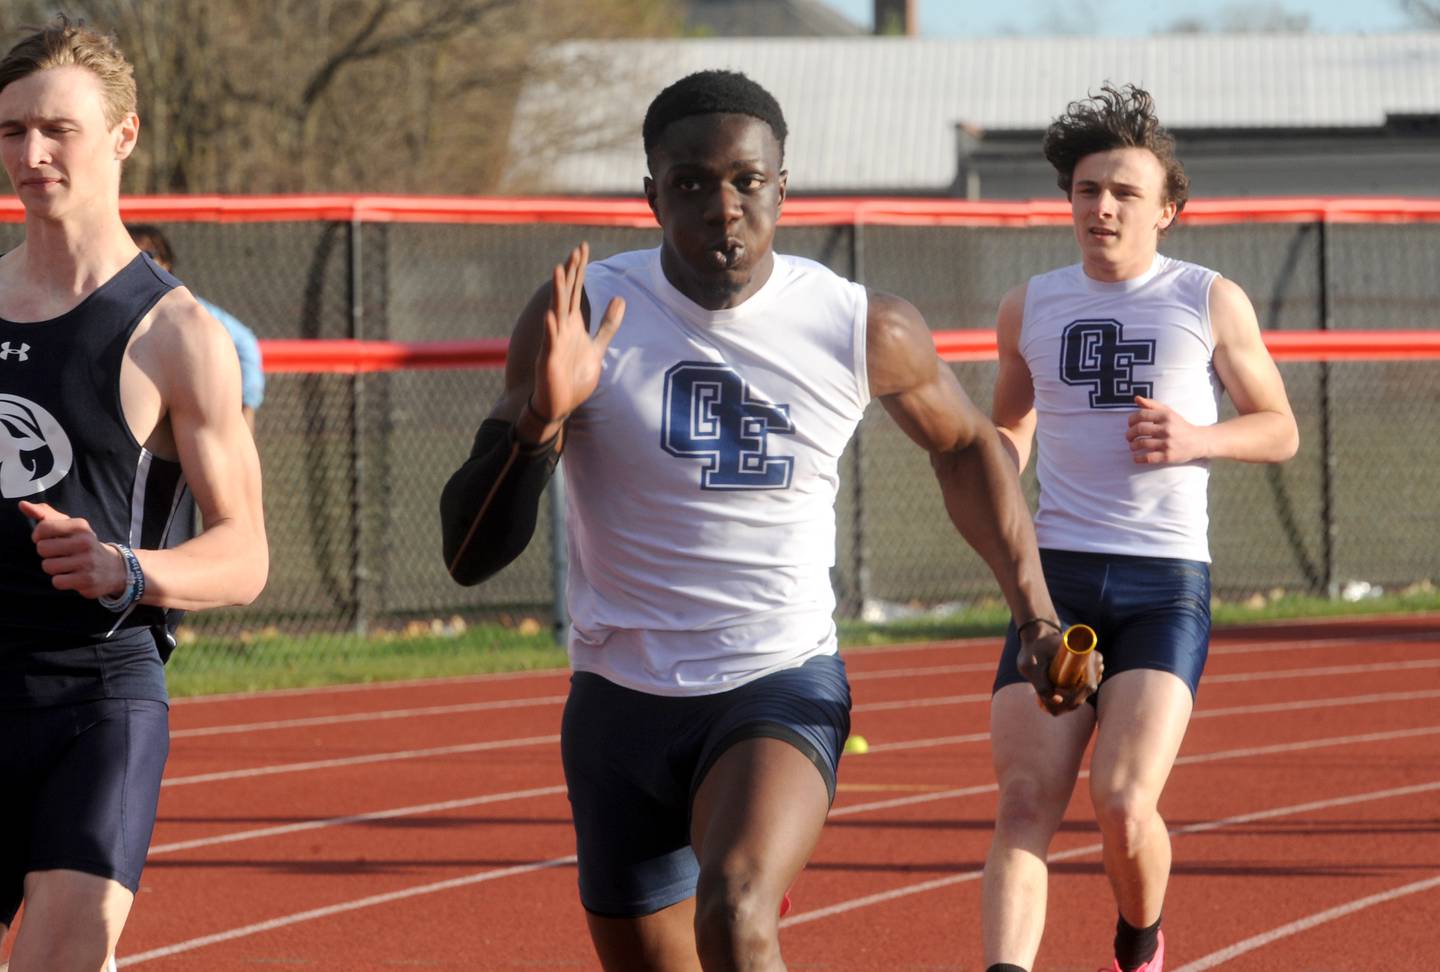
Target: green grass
[(272, 660), (1293, 606)]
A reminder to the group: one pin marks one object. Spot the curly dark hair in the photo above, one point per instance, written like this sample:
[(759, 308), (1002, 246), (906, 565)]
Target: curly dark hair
[(1115, 118), (712, 92)]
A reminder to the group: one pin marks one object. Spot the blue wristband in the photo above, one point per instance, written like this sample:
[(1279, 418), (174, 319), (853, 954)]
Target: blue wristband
[(134, 583)]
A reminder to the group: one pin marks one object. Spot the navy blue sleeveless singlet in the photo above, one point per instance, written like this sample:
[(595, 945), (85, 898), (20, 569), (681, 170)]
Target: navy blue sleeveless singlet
[(64, 441)]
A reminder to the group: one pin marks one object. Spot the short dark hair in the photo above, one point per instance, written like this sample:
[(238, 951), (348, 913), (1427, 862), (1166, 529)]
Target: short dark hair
[(712, 92), (148, 237), (1115, 118)]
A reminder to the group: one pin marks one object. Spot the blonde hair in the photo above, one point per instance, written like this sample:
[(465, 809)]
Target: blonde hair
[(69, 43)]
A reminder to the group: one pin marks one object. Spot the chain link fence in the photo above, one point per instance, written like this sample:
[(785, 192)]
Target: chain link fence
[(353, 465)]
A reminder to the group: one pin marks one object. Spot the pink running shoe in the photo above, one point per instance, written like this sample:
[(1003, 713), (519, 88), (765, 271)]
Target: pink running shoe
[(1156, 963)]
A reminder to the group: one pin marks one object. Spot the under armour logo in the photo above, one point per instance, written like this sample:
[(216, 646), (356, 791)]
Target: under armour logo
[(22, 352)]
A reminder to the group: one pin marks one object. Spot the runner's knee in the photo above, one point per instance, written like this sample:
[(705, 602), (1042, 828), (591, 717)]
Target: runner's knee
[(1126, 816), (736, 920), (1028, 806)]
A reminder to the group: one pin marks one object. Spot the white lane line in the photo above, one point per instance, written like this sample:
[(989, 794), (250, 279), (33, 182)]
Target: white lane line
[(928, 743), (918, 703), (497, 704), (850, 810), (1305, 924), (985, 666), (946, 644), (336, 909), (542, 740), (1413, 789), (1305, 704), (936, 883), (1296, 747), (294, 828), (334, 720), (911, 800), (1229, 648), (844, 811), (1084, 774), (1300, 705), (1260, 646), (241, 774), (349, 687), (437, 710), (1314, 672)]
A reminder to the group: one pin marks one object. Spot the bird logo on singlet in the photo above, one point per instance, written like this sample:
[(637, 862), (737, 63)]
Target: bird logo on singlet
[(712, 414), (35, 452)]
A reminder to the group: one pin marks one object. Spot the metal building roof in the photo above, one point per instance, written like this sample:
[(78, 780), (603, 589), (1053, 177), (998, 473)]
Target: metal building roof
[(766, 18), (879, 114)]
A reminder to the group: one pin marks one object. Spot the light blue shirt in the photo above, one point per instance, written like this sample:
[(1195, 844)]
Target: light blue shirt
[(252, 374)]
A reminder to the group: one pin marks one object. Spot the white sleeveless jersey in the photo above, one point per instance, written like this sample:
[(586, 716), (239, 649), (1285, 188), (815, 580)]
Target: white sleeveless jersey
[(1092, 347), (701, 477)]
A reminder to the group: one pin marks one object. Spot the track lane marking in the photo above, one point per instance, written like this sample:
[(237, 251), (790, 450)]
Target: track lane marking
[(921, 703), (856, 903), (1305, 924), (1190, 759), (279, 768), (1314, 672), (377, 716), (1239, 646), (354, 818), (969, 698), (342, 907), (349, 687), (908, 890)]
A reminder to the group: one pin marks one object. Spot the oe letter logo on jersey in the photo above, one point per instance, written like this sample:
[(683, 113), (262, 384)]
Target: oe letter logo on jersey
[(711, 415), (1095, 353), (35, 452)]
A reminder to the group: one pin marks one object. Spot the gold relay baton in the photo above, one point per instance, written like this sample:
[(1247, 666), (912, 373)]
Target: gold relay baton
[(1067, 668)]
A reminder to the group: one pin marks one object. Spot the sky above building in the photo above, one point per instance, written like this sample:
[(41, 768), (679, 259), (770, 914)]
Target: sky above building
[(1135, 18)]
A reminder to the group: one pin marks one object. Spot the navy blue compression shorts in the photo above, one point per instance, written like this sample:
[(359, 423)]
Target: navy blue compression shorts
[(81, 786), (1149, 612), (634, 761)]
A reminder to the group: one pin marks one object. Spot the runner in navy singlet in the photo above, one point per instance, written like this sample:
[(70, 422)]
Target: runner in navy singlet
[(117, 420)]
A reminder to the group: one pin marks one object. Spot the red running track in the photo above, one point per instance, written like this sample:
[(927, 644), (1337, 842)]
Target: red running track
[(424, 825)]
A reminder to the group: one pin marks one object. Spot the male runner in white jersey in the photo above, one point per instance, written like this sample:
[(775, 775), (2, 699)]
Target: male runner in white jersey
[(117, 406), (1115, 366), (702, 440)]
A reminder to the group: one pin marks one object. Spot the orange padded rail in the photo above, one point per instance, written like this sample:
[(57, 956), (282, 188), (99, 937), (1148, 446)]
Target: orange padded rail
[(799, 211), (1283, 345), (354, 357)]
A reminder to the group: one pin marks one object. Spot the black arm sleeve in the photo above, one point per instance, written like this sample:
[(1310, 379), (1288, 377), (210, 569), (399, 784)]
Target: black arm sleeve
[(488, 508)]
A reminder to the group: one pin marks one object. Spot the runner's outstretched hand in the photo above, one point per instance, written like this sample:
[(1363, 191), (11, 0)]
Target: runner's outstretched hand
[(567, 366)]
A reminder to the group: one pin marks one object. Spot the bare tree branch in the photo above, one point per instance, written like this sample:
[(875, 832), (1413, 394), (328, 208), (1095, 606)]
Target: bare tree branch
[(1422, 13), (336, 95)]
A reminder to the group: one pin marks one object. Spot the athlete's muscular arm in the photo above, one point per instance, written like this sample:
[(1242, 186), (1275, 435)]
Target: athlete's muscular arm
[(489, 506), (977, 478), (1263, 431), (1013, 405), (199, 380), (181, 383)]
